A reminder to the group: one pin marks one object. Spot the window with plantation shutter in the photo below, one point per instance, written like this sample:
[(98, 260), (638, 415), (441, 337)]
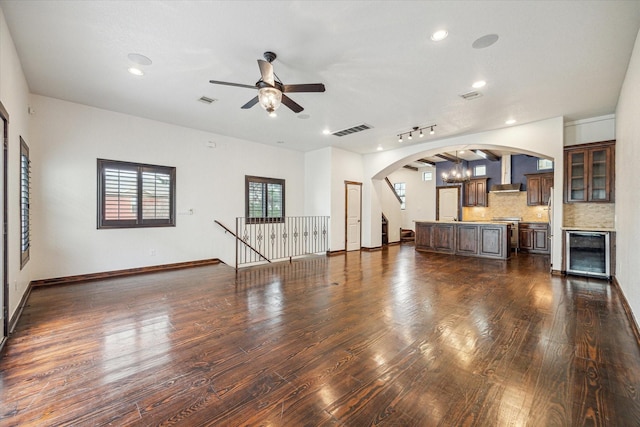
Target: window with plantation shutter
[(25, 203), (264, 199), (135, 195)]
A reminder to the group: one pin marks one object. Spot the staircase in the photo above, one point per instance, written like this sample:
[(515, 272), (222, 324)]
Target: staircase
[(407, 235)]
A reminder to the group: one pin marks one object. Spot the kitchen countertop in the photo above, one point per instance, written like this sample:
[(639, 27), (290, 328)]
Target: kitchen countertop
[(589, 229), (463, 222)]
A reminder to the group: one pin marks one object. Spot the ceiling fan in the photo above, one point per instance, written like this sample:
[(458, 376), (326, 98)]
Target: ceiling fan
[(271, 91)]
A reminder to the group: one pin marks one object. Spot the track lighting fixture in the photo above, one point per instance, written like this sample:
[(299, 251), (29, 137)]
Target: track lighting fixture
[(416, 129)]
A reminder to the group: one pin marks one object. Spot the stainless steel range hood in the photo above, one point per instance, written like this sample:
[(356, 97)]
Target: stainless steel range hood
[(506, 186)]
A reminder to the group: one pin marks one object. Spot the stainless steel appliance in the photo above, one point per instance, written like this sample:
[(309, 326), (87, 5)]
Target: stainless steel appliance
[(588, 253), (515, 235)]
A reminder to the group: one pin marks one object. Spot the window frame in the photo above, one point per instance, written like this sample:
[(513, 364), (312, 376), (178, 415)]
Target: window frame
[(248, 179), (140, 221), (476, 168), (25, 204), (401, 192), (542, 165)]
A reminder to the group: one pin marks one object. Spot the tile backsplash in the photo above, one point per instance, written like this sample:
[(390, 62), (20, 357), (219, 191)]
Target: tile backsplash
[(589, 215), (506, 205)]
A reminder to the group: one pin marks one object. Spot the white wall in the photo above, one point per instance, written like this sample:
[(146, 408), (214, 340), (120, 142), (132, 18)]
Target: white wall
[(595, 129), (628, 196), (317, 192), (14, 94), (420, 195), (67, 139), (542, 139), (345, 166)]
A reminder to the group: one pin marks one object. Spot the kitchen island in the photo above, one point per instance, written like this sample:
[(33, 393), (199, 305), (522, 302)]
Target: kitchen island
[(476, 239)]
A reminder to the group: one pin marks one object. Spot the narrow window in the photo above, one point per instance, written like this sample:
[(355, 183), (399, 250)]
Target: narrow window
[(264, 198), (545, 164), (25, 203), (480, 170), (401, 192), (135, 195)]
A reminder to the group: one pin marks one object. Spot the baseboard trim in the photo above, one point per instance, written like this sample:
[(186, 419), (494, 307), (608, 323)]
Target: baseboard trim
[(121, 273), (627, 309), (338, 252), (371, 249), (16, 315)]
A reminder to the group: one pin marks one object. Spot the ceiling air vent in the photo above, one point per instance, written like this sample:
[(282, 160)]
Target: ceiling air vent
[(206, 100), (351, 130), (471, 95)]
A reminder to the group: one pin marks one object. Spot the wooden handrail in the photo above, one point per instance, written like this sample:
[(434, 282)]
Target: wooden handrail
[(393, 189), (240, 240)]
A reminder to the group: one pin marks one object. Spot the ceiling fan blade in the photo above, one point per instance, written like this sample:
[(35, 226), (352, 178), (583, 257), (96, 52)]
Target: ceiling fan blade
[(311, 87), (215, 82), (293, 106), (266, 70), (250, 104)]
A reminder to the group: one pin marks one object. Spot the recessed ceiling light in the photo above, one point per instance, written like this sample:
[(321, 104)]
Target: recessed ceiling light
[(510, 122), (136, 71), (478, 84), (379, 148), (439, 35), (326, 132)]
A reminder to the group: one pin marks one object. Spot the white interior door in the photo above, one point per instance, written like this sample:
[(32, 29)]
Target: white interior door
[(448, 203), (353, 215)]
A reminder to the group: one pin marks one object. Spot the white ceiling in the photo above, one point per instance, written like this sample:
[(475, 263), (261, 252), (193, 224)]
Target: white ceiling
[(376, 59)]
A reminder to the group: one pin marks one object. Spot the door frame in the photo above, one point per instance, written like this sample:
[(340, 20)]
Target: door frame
[(4, 116), (346, 217), (443, 187)]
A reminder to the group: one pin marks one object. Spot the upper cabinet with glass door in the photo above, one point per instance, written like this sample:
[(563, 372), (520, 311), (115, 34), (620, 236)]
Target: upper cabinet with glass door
[(589, 172)]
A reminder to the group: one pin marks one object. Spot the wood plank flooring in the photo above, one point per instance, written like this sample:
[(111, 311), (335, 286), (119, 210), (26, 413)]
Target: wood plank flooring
[(390, 338)]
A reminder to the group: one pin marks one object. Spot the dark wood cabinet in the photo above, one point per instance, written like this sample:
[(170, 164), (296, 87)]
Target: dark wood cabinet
[(589, 172), (539, 188), (475, 192), (495, 241), (444, 238), (486, 240), (467, 239), (424, 235), (534, 238)]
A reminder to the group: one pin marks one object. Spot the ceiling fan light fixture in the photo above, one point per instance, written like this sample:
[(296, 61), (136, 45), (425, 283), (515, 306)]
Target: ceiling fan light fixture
[(270, 99)]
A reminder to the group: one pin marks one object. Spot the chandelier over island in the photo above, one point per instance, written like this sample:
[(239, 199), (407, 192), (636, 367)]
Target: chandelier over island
[(458, 173)]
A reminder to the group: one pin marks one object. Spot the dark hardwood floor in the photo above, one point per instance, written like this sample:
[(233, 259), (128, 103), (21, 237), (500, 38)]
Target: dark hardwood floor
[(392, 337)]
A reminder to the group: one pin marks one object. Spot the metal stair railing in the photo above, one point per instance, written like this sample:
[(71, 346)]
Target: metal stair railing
[(272, 239)]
